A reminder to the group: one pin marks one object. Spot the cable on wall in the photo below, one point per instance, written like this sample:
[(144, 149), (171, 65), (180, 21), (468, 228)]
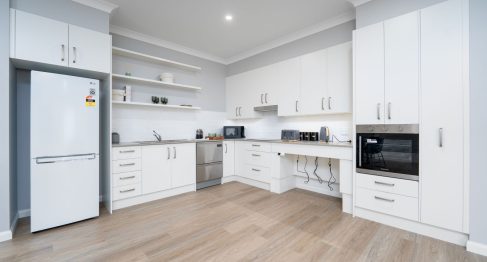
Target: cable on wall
[(303, 172), (314, 172), (332, 179)]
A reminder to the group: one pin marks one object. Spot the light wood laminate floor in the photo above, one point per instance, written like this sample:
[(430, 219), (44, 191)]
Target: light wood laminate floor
[(232, 222)]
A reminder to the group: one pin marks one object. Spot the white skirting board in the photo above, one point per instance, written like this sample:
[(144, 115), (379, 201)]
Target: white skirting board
[(5, 235), (415, 227), (118, 204), (477, 248)]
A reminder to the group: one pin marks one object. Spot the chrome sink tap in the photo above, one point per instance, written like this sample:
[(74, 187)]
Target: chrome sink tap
[(158, 137)]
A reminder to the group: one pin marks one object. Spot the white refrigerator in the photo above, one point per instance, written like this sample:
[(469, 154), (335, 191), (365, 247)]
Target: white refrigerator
[(64, 149)]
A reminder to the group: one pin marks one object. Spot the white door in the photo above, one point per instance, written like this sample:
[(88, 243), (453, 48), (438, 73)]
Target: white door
[(64, 115), (313, 88), (63, 191), (183, 164), (231, 97), (441, 128), (288, 83), (369, 74), (40, 39), (402, 69), (89, 50), (228, 158), (156, 168), (339, 79)]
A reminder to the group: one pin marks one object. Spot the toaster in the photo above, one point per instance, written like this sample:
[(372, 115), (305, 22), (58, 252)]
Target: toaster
[(290, 135)]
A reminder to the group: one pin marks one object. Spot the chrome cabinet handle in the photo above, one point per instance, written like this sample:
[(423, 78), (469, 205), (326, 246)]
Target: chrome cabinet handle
[(63, 52), (296, 105), (322, 103), (440, 134), (226, 148), (378, 111), (75, 55), (256, 155), (265, 98), (168, 153), (127, 151), (389, 110), (129, 164), (329, 103), (262, 98), (174, 148), (383, 184), (128, 190), (236, 111), (239, 111), (384, 199), (256, 170), (127, 177), (360, 151)]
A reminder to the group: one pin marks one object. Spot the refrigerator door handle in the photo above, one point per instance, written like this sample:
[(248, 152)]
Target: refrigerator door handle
[(54, 159)]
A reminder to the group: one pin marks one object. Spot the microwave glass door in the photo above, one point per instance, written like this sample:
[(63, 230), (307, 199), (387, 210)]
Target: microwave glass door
[(388, 153), (231, 132)]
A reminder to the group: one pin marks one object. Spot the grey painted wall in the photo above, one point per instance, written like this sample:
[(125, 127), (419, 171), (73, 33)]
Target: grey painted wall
[(211, 78), (66, 11), (4, 115), (23, 139), (13, 143), (378, 10), (321, 40), (478, 121)]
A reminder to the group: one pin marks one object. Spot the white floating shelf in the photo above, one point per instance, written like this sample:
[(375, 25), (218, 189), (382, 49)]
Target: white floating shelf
[(154, 82), (152, 59), (156, 105)]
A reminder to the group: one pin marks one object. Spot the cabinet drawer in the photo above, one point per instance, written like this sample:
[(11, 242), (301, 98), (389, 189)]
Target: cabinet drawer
[(124, 179), (126, 165), (257, 158), (123, 192), (258, 146), (131, 152), (388, 185), (396, 205), (258, 173)]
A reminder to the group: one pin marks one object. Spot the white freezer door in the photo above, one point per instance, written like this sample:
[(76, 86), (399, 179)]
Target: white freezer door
[(63, 190), (64, 115)]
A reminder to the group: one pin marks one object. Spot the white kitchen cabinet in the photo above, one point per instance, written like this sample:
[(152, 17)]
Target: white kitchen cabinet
[(183, 165), (89, 50), (442, 135), (228, 158), (240, 96), (369, 74), (263, 80), (39, 39), (156, 168), (401, 102), (313, 86), (339, 79), (288, 83), (43, 40)]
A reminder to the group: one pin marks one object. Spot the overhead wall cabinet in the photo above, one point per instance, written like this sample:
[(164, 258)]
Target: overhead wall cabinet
[(43, 40), (315, 83), (387, 71)]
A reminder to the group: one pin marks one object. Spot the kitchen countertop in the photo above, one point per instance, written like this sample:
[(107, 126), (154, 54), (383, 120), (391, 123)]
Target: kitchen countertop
[(184, 141)]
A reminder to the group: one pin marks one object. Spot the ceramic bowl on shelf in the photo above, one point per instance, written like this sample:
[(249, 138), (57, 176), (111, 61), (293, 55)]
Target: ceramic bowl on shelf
[(155, 99), (164, 100)]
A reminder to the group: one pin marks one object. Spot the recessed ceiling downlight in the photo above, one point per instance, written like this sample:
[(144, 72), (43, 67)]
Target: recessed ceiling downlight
[(228, 17)]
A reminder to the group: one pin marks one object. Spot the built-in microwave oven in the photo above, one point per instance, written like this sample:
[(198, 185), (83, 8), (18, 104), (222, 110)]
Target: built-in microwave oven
[(233, 132), (388, 150)]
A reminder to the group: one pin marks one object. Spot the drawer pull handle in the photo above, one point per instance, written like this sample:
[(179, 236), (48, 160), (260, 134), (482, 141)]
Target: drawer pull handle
[(127, 151), (383, 184), (256, 170), (127, 177), (255, 145), (129, 164), (128, 190), (384, 199), (256, 155)]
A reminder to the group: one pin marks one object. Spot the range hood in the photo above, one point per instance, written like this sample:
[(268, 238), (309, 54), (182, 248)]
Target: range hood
[(265, 108)]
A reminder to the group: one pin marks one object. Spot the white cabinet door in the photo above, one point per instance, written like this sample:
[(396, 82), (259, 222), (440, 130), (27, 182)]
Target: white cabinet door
[(288, 83), (240, 94), (402, 69), (441, 128), (228, 158), (369, 74), (339, 79), (231, 97), (313, 88), (183, 164), (156, 169), (40, 39), (89, 50)]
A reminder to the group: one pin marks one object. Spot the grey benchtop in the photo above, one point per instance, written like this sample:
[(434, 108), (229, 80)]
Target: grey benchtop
[(275, 141)]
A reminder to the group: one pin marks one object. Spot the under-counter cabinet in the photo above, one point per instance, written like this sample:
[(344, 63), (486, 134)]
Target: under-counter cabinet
[(43, 40), (387, 71), (228, 158), (126, 172)]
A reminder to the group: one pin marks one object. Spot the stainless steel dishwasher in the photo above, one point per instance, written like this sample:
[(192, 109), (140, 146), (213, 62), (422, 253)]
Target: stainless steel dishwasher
[(209, 165)]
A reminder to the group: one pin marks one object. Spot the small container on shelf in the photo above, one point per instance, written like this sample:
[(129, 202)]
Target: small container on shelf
[(118, 95)]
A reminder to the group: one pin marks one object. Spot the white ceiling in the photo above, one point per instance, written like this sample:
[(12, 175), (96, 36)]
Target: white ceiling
[(200, 25)]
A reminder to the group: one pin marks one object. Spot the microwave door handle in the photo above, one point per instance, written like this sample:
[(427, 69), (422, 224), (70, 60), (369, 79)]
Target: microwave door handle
[(360, 151)]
